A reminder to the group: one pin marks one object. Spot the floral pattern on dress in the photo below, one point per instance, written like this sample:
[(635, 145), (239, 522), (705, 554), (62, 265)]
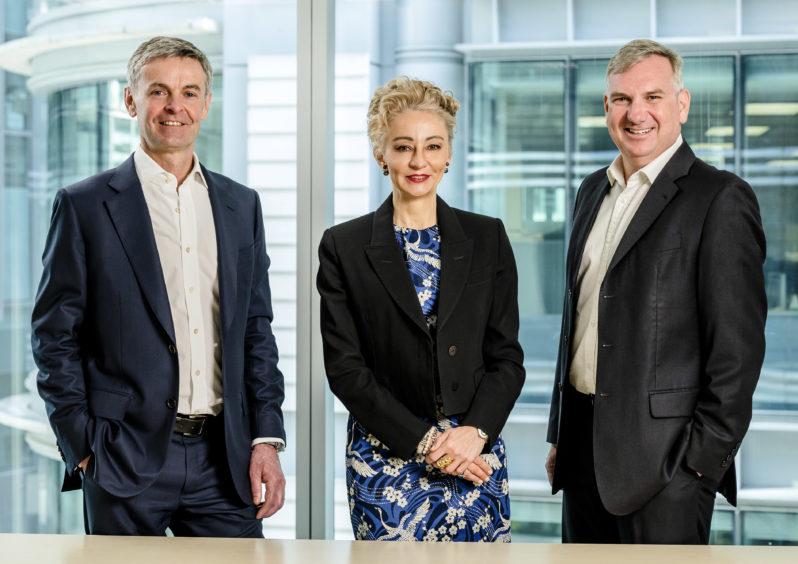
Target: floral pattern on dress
[(395, 499), (421, 249)]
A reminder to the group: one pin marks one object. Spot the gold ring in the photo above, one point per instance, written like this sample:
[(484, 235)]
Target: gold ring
[(443, 462)]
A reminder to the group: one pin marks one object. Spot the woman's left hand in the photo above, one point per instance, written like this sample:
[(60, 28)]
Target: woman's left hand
[(462, 445)]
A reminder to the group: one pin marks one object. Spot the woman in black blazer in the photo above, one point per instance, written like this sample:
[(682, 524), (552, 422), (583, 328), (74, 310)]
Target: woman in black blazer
[(419, 319)]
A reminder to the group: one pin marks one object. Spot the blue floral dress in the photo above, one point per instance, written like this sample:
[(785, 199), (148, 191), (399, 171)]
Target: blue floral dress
[(409, 500)]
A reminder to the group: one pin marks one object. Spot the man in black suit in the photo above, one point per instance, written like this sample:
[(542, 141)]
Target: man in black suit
[(663, 324), (152, 327)]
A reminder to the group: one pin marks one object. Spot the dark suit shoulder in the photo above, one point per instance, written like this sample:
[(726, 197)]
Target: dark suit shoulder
[(472, 219), (354, 230), (89, 186), (226, 183), (594, 179), (706, 181)]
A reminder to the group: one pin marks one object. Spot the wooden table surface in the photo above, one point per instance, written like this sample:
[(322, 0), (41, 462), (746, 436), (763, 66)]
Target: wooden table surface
[(78, 549)]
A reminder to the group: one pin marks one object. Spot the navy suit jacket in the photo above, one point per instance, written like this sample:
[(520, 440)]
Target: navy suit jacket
[(681, 335), (104, 342)]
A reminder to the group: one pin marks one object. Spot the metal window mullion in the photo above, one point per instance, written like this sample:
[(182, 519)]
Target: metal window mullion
[(315, 166)]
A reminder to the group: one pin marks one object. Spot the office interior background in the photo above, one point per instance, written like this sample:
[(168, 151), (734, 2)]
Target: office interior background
[(292, 83)]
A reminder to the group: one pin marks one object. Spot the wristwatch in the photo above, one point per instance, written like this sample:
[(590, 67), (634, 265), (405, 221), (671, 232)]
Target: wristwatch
[(278, 446), (482, 434)]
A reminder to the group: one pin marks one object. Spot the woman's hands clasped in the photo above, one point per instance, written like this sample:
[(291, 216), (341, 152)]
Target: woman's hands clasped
[(456, 452)]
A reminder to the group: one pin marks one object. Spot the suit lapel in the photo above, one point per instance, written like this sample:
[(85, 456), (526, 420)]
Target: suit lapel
[(584, 217), (659, 196), (456, 254), (131, 218), (222, 206), (386, 259)]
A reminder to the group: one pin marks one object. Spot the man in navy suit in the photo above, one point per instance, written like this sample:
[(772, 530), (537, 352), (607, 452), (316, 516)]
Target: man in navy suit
[(663, 332), (152, 327)]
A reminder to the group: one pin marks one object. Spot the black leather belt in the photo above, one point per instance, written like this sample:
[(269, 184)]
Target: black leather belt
[(192, 425)]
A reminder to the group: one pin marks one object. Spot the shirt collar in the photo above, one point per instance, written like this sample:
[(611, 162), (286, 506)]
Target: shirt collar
[(147, 168), (650, 171)]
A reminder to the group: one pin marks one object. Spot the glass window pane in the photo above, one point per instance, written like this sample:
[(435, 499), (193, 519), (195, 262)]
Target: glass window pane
[(770, 164), (516, 171), (763, 528), (17, 102), (710, 125), (682, 18), (535, 521), (603, 20), (532, 20), (85, 129)]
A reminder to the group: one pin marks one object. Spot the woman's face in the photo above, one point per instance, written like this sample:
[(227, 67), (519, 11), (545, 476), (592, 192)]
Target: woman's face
[(416, 150)]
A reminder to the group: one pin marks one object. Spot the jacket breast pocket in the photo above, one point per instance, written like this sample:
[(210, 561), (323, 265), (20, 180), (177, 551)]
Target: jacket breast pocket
[(480, 276), (109, 404), (673, 403)]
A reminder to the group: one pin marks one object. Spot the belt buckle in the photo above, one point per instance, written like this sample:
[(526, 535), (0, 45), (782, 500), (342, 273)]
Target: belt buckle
[(196, 424), (201, 430)]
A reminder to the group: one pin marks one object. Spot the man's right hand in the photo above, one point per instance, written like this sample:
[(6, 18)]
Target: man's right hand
[(551, 458), (84, 464)]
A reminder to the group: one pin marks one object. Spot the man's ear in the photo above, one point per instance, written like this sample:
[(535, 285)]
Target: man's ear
[(684, 104), (130, 104)]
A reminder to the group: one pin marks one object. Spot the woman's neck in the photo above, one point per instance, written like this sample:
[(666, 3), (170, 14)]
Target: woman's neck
[(415, 213)]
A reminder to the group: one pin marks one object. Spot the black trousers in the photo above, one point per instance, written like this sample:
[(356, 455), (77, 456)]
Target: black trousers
[(193, 496), (680, 513)]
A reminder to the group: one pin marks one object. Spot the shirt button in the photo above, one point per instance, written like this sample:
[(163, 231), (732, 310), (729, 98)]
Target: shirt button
[(171, 403), (452, 350), (455, 385), (172, 349), (177, 210), (188, 249), (190, 289), (196, 372), (196, 331)]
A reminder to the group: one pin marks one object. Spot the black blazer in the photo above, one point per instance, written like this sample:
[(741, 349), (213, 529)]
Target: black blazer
[(681, 332), (103, 338), (379, 355)]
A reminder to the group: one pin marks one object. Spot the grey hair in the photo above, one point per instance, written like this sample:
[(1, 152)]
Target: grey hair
[(162, 46), (640, 49)]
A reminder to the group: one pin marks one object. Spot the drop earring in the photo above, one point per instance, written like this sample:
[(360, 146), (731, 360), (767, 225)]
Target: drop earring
[(385, 170), (447, 168)]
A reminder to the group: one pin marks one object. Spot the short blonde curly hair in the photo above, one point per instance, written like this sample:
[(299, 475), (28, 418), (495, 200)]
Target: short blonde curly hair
[(403, 94)]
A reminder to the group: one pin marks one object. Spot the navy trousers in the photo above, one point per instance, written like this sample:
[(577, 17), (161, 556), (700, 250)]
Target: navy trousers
[(193, 496), (681, 513)]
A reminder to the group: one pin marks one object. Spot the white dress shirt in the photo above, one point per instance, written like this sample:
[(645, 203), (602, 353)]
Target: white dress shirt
[(185, 236), (616, 212)]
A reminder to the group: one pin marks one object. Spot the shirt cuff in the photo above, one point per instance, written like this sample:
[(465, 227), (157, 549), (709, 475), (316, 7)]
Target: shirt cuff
[(276, 442)]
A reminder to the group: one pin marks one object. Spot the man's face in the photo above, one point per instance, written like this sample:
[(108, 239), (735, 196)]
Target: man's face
[(644, 111), (169, 103)]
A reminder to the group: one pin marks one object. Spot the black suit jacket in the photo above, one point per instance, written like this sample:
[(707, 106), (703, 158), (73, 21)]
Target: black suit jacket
[(681, 332), (104, 342), (379, 355)]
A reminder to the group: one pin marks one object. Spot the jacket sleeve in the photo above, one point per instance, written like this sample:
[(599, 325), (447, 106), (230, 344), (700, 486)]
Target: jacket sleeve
[(348, 374), (504, 359), (732, 308), (56, 327), (263, 380)]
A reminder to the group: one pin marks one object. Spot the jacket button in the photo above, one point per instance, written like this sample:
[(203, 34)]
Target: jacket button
[(172, 349), (171, 403), (455, 385), (452, 350)]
